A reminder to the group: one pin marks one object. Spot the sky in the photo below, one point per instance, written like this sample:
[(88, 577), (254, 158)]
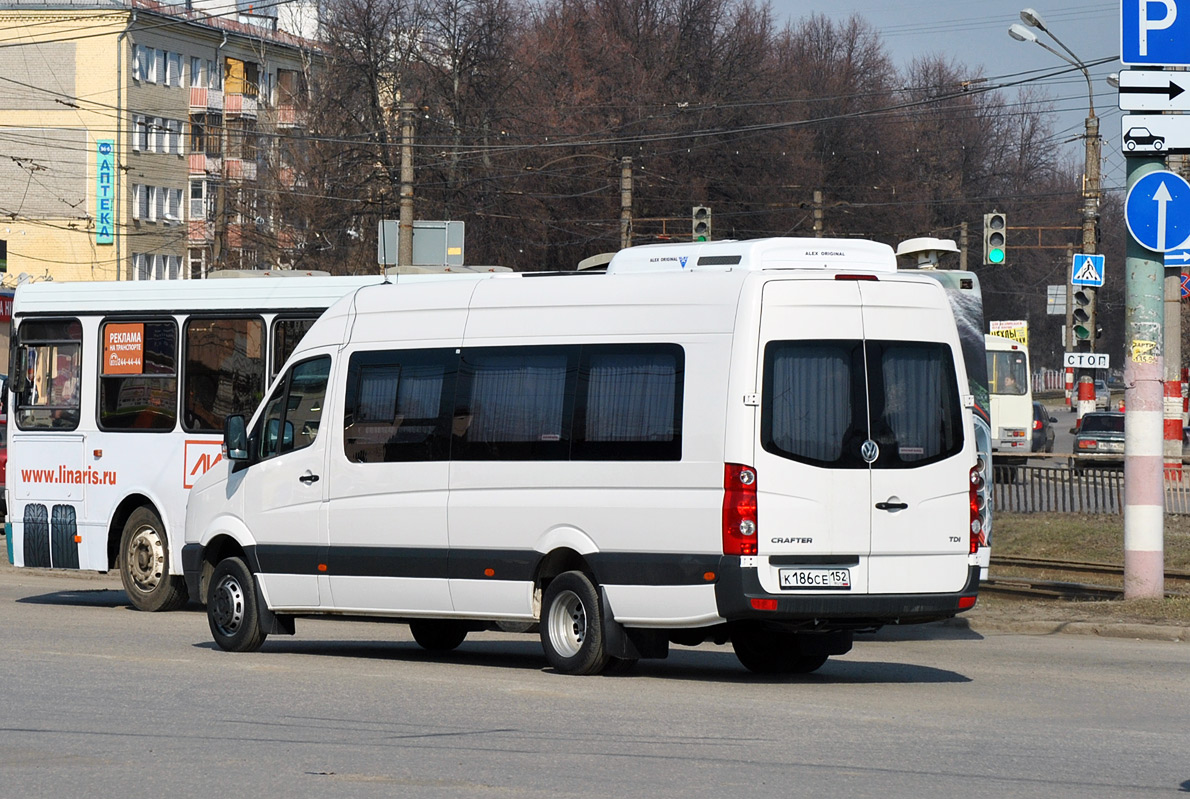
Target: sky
[(975, 33)]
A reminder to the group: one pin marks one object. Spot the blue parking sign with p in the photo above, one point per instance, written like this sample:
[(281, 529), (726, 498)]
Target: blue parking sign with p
[(1155, 32)]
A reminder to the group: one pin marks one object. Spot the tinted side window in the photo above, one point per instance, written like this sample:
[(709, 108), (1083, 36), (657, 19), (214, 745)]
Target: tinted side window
[(629, 403), (287, 332), (515, 403), (293, 413), (138, 379), (52, 351), (399, 405), (224, 371)]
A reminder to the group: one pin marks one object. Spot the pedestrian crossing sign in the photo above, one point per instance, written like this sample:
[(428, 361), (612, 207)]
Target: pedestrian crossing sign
[(1087, 270)]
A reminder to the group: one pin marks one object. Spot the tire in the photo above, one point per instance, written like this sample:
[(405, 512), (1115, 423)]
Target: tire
[(572, 625), (438, 635), (232, 612), (768, 652), (1131, 145), (1158, 145), (144, 565)]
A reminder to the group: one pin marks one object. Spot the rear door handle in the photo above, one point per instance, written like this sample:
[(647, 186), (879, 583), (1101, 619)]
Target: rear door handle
[(892, 505), (309, 479)]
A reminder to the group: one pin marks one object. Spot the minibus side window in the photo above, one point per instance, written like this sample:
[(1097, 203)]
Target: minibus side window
[(51, 357), (224, 371), (516, 404), (398, 405), (138, 377), (629, 403), (293, 415)]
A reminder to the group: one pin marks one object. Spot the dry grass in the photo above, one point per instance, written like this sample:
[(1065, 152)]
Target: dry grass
[(1095, 538)]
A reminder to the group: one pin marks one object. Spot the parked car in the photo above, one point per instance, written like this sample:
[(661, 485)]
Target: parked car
[(1102, 395), (1043, 431), (1100, 434)]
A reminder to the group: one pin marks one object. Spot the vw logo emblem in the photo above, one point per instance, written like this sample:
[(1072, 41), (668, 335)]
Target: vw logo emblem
[(870, 450)]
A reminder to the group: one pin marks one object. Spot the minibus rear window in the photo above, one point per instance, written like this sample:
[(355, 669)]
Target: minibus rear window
[(823, 399)]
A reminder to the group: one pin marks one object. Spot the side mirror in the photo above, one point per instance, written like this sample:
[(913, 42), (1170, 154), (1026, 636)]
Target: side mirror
[(18, 376), (1053, 420), (235, 438)]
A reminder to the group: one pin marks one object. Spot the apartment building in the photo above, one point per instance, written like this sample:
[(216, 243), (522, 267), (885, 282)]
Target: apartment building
[(140, 140)]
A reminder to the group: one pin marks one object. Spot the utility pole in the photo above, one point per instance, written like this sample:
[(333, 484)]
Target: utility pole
[(405, 230), (625, 202), (963, 248)]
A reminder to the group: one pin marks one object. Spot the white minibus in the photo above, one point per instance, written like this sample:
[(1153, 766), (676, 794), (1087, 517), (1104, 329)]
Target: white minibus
[(118, 395), (1011, 393), (764, 442)]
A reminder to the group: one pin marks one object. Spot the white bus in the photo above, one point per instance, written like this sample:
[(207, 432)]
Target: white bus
[(1011, 393), (118, 396), (769, 442)]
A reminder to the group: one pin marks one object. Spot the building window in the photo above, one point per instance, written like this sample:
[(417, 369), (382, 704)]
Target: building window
[(173, 69)]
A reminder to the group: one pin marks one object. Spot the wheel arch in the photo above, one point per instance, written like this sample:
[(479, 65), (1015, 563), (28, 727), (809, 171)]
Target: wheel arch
[(115, 528)]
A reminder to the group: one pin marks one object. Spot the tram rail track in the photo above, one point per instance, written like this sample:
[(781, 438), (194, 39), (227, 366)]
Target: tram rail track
[(1035, 577)]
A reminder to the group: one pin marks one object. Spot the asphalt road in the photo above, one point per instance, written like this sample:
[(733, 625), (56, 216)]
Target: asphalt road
[(99, 700)]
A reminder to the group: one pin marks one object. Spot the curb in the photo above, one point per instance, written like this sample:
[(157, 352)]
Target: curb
[(1133, 630)]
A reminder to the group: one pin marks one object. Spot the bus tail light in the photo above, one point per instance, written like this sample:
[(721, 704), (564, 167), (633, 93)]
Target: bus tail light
[(739, 510), (978, 498)]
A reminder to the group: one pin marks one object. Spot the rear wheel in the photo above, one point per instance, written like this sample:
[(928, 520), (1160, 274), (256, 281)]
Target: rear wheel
[(768, 652), (572, 625), (438, 635), (144, 564), (232, 611)]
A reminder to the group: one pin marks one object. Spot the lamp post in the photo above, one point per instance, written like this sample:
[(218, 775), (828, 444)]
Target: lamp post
[(1086, 381)]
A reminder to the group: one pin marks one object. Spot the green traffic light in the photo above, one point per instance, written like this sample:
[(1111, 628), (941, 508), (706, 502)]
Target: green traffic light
[(996, 256)]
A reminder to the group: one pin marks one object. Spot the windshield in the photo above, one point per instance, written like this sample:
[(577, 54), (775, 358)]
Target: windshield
[(1103, 423), (1007, 372)]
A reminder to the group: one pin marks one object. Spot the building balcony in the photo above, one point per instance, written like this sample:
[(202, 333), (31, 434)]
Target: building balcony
[(239, 105), (200, 231), (289, 116), (205, 100), (203, 164), (239, 169)]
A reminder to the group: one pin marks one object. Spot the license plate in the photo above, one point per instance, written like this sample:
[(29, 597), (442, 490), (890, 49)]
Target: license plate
[(815, 579)]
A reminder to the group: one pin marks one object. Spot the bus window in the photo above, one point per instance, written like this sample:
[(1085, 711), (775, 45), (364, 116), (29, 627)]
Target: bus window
[(287, 332), (1007, 372), (52, 358), (224, 371), (138, 384)]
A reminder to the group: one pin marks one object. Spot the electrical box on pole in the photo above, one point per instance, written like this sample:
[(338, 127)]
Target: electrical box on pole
[(995, 241), (700, 221)]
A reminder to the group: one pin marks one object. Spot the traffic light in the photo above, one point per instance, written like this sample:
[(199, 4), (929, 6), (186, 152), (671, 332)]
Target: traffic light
[(700, 221), (995, 243), (1084, 315)]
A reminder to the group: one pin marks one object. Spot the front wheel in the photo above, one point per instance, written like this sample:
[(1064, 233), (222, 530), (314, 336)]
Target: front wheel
[(572, 625), (144, 564), (232, 611)]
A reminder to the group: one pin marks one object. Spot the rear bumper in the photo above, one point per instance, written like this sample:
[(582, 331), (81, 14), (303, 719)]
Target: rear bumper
[(738, 586)]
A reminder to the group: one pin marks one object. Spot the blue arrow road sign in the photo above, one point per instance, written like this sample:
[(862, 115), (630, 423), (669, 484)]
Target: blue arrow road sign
[(1087, 270), (1154, 33), (1180, 257), (1157, 211)]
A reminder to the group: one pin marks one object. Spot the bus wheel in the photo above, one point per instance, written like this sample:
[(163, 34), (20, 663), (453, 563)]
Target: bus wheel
[(232, 612), (438, 635), (572, 625), (144, 564), (770, 652)]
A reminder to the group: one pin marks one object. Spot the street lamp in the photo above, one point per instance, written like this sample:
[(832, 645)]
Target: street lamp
[(1090, 171)]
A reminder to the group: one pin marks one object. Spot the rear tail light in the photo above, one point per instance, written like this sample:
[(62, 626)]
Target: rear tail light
[(739, 510), (978, 497), (1036, 424)]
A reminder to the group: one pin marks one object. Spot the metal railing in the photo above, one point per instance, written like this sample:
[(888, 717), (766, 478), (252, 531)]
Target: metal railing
[(1054, 488)]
